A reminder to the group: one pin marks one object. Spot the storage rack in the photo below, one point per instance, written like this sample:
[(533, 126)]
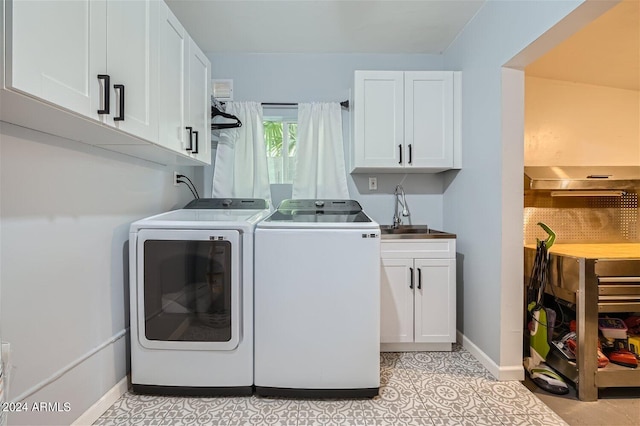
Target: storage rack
[(595, 286)]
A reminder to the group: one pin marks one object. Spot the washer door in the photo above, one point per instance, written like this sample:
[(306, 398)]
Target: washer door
[(188, 289)]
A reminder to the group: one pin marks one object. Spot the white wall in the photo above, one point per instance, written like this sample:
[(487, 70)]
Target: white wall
[(479, 202), (329, 77), (575, 124), (65, 212)]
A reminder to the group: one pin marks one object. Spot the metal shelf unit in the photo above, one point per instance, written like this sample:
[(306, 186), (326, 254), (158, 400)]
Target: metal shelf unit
[(594, 286)]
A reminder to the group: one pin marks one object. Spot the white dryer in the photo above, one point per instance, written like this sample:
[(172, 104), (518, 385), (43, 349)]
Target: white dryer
[(317, 301), (191, 294)]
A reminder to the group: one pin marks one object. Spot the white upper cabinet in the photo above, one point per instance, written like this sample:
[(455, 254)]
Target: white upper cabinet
[(199, 102), (406, 121), (117, 74), (185, 75), (428, 120), (95, 58), (132, 64), (379, 119), (173, 80), (55, 51)]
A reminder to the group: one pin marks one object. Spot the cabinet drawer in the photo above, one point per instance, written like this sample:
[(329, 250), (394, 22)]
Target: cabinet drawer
[(430, 249)]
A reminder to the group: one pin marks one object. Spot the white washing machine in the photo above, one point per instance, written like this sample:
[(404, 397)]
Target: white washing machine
[(191, 293), (317, 301)]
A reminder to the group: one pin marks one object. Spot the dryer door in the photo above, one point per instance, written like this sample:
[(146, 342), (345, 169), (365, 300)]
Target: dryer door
[(188, 289)]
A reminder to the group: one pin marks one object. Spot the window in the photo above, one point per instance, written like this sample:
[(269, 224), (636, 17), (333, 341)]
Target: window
[(280, 136)]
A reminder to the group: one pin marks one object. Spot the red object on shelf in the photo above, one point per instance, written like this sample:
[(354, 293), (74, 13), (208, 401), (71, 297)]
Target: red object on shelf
[(624, 357), (573, 347), (572, 325), (602, 359), (633, 324)]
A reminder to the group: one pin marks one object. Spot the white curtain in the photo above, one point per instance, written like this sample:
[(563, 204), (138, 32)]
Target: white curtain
[(240, 169), (320, 170)]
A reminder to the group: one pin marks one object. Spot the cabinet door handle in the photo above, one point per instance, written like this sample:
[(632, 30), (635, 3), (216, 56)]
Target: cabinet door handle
[(410, 162), (411, 282), (120, 116), (195, 151), (105, 93), (190, 147), (419, 278), (400, 148)]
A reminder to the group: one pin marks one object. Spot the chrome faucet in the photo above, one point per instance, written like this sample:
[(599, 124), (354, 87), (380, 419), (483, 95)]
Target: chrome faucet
[(400, 200)]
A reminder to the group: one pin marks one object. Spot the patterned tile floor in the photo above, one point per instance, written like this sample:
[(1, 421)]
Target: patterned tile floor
[(417, 388)]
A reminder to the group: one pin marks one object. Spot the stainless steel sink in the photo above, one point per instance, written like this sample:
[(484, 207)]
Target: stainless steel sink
[(405, 229), (412, 232)]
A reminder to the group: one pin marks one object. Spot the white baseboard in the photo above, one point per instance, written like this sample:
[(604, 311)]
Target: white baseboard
[(502, 373), (415, 347), (101, 405)]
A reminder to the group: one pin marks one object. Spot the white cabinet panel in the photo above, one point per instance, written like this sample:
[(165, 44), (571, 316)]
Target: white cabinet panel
[(173, 81), (406, 121), (199, 102), (396, 311), (379, 115), (55, 50), (185, 75), (429, 118), (439, 248), (132, 62), (435, 297)]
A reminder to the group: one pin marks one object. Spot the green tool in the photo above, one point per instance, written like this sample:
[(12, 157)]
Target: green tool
[(552, 235)]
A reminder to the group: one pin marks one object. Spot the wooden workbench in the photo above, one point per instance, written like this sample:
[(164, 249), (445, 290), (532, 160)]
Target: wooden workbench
[(596, 251)]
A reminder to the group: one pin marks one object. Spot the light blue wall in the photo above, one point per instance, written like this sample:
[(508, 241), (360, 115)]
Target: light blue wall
[(481, 205), (329, 77), (65, 211)]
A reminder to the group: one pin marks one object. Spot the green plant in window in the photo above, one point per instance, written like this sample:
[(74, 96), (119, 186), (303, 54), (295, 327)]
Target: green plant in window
[(273, 138)]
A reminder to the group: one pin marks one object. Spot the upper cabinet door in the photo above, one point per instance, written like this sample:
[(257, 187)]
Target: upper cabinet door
[(132, 63), (56, 49), (379, 119), (173, 82), (429, 119), (199, 102)]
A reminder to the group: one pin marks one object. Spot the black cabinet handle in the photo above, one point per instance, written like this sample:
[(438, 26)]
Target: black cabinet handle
[(105, 93), (411, 283), (410, 162), (400, 148), (195, 151), (120, 116), (190, 129), (419, 278)]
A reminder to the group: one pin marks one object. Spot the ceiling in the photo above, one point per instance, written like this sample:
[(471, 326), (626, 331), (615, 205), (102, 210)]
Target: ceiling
[(324, 26), (605, 52)]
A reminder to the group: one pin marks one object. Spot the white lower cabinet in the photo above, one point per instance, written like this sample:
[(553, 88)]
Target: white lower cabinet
[(418, 284)]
